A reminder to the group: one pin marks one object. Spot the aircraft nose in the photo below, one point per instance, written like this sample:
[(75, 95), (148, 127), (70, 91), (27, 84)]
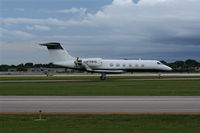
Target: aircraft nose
[(168, 68)]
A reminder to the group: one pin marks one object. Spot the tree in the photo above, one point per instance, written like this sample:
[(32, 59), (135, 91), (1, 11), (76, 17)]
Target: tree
[(4, 68), (179, 64), (29, 65), (191, 63), (21, 67)]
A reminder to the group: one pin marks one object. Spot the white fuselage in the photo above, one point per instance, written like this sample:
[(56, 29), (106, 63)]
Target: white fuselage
[(62, 58), (98, 65)]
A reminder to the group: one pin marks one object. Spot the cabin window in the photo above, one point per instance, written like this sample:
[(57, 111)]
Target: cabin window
[(118, 65), (124, 65), (130, 65), (136, 65), (142, 65), (111, 65)]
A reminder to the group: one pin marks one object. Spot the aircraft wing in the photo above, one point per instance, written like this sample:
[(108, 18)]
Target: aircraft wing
[(89, 69), (108, 71)]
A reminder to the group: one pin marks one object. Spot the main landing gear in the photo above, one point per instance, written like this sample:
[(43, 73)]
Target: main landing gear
[(103, 76)]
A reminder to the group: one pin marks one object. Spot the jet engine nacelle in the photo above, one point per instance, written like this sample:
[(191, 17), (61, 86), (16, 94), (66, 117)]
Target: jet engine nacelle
[(93, 62)]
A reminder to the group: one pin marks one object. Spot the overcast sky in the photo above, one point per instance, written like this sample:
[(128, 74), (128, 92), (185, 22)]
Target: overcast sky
[(148, 29)]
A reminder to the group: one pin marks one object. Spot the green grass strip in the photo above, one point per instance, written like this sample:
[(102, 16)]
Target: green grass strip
[(103, 88), (100, 124)]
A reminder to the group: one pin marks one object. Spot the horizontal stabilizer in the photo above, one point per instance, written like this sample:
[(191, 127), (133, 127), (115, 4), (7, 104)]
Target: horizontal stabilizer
[(52, 45)]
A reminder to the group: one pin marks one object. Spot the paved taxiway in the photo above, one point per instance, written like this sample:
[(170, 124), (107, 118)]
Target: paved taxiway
[(97, 75), (89, 80), (92, 104)]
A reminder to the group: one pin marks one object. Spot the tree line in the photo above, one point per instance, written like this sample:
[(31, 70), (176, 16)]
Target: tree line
[(189, 65), (24, 67)]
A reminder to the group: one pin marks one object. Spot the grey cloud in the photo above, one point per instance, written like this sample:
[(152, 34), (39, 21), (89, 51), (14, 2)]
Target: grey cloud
[(150, 29), (194, 40)]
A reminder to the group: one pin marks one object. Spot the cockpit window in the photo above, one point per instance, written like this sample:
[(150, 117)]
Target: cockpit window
[(158, 63)]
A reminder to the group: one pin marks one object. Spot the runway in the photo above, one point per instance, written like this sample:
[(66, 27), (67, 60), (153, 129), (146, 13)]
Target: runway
[(97, 75), (92, 104), (90, 80)]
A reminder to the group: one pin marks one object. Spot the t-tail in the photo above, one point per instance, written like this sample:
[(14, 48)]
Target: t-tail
[(57, 53)]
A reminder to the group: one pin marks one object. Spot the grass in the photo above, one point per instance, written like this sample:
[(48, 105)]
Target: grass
[(103, 88), (101, 124)]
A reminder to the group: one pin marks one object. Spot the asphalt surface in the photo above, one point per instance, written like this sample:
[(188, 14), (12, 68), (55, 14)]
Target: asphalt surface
[(89, 80), (92, 104), (44, 81), (97, 75)]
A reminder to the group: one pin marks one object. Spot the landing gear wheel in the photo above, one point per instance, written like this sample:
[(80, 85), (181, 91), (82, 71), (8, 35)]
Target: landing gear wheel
[(103, 76)]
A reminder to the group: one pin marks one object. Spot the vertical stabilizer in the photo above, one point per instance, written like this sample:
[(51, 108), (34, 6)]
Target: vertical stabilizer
[(57, 52)]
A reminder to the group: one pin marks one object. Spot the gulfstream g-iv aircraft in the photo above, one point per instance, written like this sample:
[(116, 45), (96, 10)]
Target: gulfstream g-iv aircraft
[(61, 57)]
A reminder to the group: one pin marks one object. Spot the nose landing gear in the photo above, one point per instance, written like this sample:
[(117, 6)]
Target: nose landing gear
[(103, 76)]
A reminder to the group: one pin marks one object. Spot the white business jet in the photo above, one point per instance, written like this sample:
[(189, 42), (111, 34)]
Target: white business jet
[(61, 57)]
